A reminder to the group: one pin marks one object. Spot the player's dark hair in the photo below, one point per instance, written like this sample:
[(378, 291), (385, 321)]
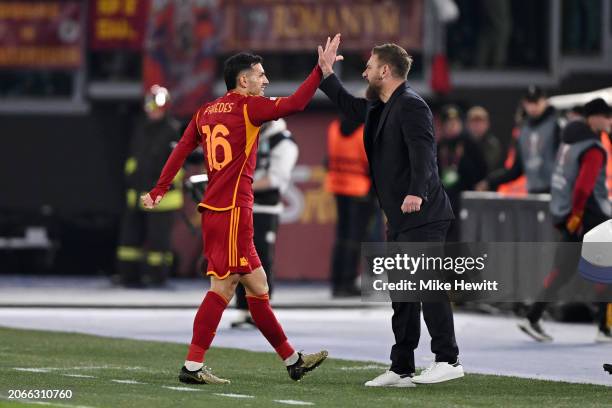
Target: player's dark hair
[(396, 57), (237, 63)]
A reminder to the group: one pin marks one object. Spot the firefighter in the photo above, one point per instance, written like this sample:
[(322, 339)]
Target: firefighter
[(144, 257)]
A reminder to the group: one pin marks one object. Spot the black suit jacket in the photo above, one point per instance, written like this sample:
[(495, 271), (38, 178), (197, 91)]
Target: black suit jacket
[(401, 149)]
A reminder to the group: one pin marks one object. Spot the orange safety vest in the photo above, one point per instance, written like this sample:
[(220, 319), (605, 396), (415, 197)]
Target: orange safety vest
[(516, 187), (605, 140), (348, 170)]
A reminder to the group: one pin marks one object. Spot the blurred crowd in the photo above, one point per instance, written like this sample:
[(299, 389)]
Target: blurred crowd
[(480, 34), (471, 157), (510, 34)]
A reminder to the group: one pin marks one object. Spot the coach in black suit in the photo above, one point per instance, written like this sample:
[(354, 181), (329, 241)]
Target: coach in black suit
[(401, 149)]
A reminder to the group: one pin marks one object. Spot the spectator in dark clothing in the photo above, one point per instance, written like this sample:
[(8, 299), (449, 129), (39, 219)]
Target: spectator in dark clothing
[(495, 32), (537, 146), (461, 162), (576, 113), (479, 129)]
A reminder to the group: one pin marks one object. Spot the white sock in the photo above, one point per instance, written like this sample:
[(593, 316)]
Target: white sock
[(292, 359), (193, 365)]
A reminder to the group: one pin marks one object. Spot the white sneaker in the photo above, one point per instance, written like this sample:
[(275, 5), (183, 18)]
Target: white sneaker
[(390, 379), (439, 372), (603, 336)]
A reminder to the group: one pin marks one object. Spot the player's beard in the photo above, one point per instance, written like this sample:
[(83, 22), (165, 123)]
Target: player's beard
[(373, 91)]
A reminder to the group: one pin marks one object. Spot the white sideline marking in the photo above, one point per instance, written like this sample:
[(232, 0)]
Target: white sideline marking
[(78, 375), (234, 395), (365, 367), (294, 402), (179, 388), (105, 367), (32, 370), (127, 382)]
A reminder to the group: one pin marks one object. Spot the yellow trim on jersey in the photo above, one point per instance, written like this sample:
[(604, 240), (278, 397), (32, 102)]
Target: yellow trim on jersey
[(237, 223), (210, 207), (196, 122), (230, 247), (265, 296), (216, 275), (231, 238), (251, 136)]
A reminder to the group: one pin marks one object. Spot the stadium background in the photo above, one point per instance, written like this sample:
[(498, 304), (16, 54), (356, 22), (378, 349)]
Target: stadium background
[(73, 73)]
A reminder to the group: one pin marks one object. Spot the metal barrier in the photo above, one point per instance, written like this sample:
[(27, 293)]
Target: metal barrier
[(491, 217)]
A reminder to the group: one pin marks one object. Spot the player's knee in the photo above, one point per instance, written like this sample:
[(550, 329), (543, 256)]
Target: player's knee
[(257, 290), (225, 287), (264, 289)]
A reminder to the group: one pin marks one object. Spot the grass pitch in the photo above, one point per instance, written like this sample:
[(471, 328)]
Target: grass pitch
[(103, 372)]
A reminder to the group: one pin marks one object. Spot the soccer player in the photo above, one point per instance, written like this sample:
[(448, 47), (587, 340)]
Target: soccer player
[(228, 129)]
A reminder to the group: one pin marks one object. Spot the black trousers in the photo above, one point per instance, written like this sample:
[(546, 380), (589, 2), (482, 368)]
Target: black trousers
[(143, 255), (354, 216), (406, 320), (265, 227), (566, 264)]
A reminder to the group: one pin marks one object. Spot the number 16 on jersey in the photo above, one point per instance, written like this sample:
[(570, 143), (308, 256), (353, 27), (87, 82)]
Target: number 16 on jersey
[(215, 139)]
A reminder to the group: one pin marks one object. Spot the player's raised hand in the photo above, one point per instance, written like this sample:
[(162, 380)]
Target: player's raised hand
[(327, 55), (147, 201)]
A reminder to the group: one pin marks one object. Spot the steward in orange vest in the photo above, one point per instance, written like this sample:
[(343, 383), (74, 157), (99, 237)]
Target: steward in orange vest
[(348, 179), (348, 170)]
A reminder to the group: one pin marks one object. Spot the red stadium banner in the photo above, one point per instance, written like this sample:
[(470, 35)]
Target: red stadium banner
[(295, 25), (180, 52), (117, 24), (41, 34)]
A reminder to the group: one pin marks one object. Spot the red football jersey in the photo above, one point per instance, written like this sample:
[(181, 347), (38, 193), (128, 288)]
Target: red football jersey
[(228, 129)]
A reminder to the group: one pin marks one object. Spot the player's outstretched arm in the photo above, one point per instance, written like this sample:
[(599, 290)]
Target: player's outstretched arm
[(184, 147), (261, 109)]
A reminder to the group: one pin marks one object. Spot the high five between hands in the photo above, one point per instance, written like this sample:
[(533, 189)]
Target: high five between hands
[(327, 59), (327, 55)]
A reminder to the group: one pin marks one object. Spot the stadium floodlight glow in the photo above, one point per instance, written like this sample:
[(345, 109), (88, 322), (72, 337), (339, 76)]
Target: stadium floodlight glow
[(156, 98), (596, 260)]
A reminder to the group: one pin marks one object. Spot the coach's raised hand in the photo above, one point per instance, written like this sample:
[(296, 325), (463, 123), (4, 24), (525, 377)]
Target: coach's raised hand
[(327, 55)]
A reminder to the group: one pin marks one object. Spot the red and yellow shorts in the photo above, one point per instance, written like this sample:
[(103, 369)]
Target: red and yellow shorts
[(228, 242)]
